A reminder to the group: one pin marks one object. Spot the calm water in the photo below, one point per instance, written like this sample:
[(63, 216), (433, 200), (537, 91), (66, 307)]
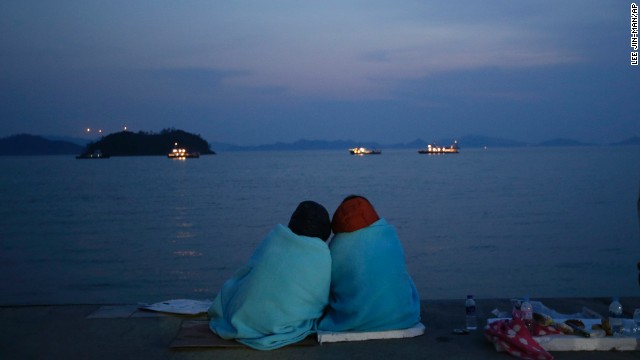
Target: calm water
[(495, 223)]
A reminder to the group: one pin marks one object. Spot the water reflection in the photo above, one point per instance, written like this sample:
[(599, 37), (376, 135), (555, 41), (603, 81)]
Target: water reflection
[(186, 253), (184, 235)]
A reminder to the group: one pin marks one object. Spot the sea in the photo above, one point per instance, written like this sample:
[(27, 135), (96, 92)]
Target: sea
[(495, 223)]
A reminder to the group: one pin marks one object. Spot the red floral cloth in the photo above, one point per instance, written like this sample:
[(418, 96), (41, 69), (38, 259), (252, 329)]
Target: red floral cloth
[(513, 337)]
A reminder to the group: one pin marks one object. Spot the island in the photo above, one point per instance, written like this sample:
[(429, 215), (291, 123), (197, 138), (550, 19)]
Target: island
[(127, 143)]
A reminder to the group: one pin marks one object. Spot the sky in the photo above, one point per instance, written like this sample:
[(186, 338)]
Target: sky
[(259, 72)]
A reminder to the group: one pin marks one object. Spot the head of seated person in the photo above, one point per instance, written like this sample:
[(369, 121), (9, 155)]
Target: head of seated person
[(354, 213), (311, 219)]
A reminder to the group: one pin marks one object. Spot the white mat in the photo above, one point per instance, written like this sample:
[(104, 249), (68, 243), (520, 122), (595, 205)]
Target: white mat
[(327, 336)]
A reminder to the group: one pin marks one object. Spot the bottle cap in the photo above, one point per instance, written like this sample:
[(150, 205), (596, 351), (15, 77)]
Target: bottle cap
[(469, 296)]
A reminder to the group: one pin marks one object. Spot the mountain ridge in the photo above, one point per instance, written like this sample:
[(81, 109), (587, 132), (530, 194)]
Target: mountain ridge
[(467, 141), (26, 144)]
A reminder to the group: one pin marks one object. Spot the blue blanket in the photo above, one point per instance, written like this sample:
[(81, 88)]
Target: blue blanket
[(277, 297), (371, 289)]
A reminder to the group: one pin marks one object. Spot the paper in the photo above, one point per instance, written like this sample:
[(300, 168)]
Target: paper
[(180, 306)]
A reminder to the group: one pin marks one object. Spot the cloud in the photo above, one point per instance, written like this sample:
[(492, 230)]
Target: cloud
[(328, 50), (422, 66), (333, 51)]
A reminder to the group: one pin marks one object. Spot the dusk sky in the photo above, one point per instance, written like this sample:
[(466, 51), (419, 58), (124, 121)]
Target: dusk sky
[(258, 72)]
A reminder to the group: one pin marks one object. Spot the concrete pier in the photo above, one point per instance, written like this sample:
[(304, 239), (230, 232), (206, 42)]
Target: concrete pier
[(124, 332)]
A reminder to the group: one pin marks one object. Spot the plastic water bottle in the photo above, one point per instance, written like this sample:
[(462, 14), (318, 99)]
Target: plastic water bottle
[(470, 309), (527, 313), (516, 313), (615, 317), (636, 321)]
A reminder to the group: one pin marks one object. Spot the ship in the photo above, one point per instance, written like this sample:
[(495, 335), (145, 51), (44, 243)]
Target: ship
[(364, 151), (434, 149), (94, 155), (182, 153)]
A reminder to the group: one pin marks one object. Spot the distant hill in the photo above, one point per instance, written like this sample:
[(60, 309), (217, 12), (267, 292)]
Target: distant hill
[(563, 142), (474, 141), (469, 141), (142, 143), (24, 144), (127, 143), (298, 145), (75, 140), (630, 141), (317, 145)]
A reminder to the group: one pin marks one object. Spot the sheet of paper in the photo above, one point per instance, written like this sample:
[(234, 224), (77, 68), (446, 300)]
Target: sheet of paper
[(180, 306)]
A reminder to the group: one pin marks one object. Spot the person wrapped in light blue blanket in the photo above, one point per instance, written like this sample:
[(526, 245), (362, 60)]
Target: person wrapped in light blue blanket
[(371, 289), (278, 296)]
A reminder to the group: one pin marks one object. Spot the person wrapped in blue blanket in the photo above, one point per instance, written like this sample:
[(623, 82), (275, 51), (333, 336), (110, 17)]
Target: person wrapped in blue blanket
[(371, 289), (278, 296)]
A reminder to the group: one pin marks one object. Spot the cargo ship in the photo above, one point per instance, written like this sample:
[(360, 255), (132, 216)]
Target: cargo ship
[(364, 151), (182, 153), (433, 149)]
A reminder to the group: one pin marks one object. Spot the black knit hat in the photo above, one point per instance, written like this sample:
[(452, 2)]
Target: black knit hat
[(311, 219)]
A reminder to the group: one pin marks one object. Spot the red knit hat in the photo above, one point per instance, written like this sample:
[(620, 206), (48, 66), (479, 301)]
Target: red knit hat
[(353, 214)]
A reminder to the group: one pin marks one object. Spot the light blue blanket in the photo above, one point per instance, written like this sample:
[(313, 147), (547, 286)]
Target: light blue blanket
[(371, 289), (277, 297)]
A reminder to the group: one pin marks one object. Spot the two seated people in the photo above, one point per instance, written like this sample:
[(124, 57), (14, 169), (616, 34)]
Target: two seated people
[(296, 284)]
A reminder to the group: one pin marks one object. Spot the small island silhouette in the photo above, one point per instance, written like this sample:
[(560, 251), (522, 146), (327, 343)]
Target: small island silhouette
[(127, 143)]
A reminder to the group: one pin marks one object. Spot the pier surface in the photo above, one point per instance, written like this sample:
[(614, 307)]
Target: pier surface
[(124, 332)]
